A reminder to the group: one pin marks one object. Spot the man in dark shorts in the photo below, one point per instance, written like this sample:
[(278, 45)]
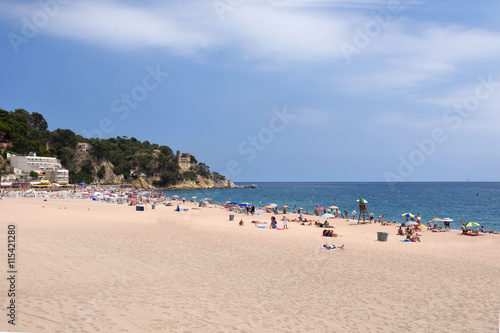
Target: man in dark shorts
[(446, 224)]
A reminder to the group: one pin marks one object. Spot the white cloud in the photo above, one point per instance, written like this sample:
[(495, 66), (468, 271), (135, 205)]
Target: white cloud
[(405, 56), (364, 4)]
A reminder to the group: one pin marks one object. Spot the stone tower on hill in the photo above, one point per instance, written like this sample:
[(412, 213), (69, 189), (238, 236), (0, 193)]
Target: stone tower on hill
[(184, 160)]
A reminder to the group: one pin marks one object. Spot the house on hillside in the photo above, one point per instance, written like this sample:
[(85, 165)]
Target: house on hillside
[(83, 147)]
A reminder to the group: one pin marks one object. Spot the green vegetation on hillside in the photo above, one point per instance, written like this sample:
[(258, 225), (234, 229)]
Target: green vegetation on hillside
[(129, 156)]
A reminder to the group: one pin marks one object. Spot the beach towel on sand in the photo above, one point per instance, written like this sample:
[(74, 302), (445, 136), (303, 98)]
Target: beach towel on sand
[(335, 249)]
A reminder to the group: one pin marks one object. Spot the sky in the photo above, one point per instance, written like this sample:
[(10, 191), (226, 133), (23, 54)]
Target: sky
[(282, 90)]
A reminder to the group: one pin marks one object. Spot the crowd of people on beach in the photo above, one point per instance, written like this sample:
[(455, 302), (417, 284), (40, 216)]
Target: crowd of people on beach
[(133, 197)]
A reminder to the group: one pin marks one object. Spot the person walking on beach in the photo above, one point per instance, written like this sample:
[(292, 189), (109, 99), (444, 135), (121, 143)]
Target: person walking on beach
[(252, 210), (354, 214)]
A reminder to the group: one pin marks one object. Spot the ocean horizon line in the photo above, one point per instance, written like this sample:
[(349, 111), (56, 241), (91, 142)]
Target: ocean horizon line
[(371, 181)]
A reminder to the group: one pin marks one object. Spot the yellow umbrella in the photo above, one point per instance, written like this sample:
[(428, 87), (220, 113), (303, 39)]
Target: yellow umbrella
[(436, 220), (269, 206), (472, 224), (333, 207), (408, 215), (421, 226)]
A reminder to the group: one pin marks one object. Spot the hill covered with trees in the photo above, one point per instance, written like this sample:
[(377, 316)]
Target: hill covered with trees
[(22, 132)]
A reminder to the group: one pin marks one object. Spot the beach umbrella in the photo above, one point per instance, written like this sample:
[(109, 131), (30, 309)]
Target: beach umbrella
[(193, 197), (272, 204), (333, 207), (286, 207), (447, 219), (269, 206), (244, 205), (320, 208), (327, 216), (436, 219), (472, 224), (258, 212), (233, 203), (411, 223), (363, 201), (407, 215), (421, 226)]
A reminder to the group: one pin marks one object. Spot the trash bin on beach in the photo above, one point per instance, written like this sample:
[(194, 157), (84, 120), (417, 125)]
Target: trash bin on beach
[(382, 236), (231, 217), (153, 207), (139, 208)]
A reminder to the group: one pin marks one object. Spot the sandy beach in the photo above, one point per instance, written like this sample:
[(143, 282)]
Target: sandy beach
[(89, 266)]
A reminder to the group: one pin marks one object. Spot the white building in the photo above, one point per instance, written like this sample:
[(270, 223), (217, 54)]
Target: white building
[(83, 147), (8, 176), (39, 164), (59, 176), (35, 163)]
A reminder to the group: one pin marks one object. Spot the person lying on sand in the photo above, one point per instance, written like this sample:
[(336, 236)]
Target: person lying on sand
[(332, 246)]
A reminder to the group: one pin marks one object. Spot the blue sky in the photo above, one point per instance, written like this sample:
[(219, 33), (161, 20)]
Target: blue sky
[(283, 90)]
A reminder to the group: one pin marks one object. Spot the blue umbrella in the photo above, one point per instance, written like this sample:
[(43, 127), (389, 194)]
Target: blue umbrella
[(233, 203), (82, 183), (244, 205)]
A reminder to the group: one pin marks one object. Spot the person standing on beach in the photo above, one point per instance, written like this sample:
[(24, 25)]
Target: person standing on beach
[(285, 222), (371, 217), (252, 210), (354, 214), (294, 209), (419, 218)]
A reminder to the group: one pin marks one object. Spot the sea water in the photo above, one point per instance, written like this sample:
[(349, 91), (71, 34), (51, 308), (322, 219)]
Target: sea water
[(460, 201)]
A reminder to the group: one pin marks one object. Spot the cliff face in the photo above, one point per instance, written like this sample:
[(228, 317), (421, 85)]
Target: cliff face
[(202, 183), (109, 177)]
